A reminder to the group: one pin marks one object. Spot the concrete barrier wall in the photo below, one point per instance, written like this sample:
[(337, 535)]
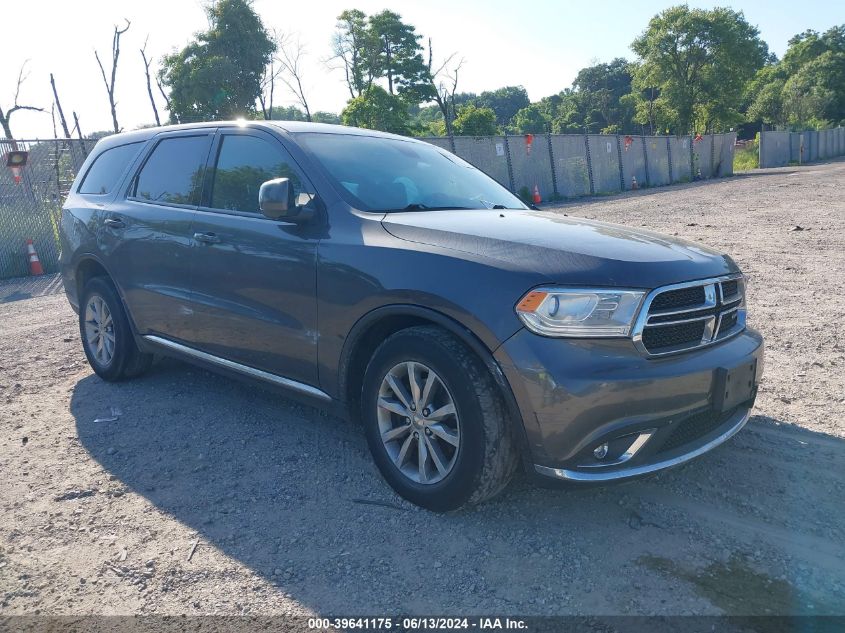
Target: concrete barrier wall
[(604, 161), (531, 165), (633, 162), (680, 151), (488, 153), (560, 165), (657, 153), (726, 165), (702, 157), (774, 149), (781, 148), (571, 170)]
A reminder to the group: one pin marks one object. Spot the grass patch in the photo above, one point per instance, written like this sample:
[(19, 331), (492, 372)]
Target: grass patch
[(747, 158)]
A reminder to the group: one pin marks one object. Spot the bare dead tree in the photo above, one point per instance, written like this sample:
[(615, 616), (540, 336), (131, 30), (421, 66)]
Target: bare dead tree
[(149, 82), (79, 131), (115, 54), (6, 116), (59, 107), (268, 87), (289, 57), (444, 81), (165, 97)]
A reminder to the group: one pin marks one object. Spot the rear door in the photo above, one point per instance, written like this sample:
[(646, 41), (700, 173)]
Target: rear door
[(254, 279), (146, 237)]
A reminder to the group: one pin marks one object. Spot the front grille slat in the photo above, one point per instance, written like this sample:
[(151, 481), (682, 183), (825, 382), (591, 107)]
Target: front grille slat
[(693, 315)]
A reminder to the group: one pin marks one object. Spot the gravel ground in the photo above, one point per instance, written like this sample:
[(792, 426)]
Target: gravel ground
[(185, 493)]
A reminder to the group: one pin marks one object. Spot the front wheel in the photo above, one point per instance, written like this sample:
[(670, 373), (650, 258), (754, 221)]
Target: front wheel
[(435, 421)]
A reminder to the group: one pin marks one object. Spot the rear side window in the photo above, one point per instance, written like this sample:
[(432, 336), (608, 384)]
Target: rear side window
[(243, 164), (107, 168), (173, 172)]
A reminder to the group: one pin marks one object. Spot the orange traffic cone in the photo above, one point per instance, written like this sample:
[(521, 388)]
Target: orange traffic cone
[(34, 263), (537, 198), (634, 184)]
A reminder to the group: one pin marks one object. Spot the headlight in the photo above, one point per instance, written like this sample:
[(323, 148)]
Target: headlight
[(578, 312)]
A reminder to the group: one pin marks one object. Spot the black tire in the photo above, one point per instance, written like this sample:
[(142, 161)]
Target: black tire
[(127, 360), (487, 456)]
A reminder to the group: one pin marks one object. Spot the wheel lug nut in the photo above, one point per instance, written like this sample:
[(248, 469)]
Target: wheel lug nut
[(408, 421), (416, 435), (426, 412), (428, 431), (413, 407)]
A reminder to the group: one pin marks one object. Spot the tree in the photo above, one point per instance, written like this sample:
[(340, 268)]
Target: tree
[(6, 117), (149, 81), (700, 61), (475, 121), (218, 75), (290, 61), (355, 48), (601, 88), (530, 120), (399, 58), (806, 87), (504, 102), (377, 109), (325, 117), (443, 83), (112, 80)]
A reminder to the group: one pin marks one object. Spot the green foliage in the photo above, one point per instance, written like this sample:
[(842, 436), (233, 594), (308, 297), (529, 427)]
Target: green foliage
[(530, 120), (377, 109), (694, 66), (748, 157), (381, 46), (475, 121), (325, 117), (218, 75), (807, 87)]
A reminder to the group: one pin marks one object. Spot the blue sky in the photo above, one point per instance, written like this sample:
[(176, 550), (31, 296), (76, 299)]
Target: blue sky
[(539, 44)]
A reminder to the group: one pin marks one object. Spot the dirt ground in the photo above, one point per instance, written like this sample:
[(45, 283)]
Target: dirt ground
[(185, 493)]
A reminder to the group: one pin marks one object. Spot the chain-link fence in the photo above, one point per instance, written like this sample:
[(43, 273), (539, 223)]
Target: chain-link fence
[(780, 148), (31, 200), (555, 166)]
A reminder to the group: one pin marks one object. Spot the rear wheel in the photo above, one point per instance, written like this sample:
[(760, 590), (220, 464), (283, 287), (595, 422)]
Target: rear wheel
[(435, 421), (106, 333)]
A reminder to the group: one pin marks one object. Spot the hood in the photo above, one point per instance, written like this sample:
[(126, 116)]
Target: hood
[(564, 250)]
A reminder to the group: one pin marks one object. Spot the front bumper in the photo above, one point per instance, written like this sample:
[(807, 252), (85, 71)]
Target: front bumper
[(653, 413)]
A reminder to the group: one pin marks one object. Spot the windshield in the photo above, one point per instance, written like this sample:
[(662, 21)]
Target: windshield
[(384, 174)]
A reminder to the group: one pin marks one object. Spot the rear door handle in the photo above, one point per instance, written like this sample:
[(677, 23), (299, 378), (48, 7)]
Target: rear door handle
[(207, 238), (114, 223)]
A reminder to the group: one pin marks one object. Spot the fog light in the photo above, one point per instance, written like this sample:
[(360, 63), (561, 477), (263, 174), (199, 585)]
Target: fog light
[(600, 452)]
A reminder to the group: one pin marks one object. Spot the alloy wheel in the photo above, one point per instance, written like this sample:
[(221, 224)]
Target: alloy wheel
[(418, 422), (99, 329)]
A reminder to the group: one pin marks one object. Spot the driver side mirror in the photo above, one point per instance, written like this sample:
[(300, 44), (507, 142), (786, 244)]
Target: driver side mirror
[(275, 199)]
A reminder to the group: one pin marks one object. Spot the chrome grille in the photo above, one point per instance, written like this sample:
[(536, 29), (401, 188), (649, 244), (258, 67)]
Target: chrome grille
[(687, 316)]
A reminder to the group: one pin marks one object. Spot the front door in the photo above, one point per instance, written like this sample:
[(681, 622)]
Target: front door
[(254, 279)]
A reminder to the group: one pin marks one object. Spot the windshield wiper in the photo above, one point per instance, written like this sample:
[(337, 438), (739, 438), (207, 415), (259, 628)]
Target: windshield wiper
[(418, 206)]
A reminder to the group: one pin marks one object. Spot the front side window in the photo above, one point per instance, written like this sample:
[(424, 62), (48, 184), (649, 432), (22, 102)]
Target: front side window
[(173, 172), (385, 174), (103, 174), (244, 163)]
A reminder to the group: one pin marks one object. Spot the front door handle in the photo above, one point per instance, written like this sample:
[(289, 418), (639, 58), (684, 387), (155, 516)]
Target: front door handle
[(114, 223), (207, 238)]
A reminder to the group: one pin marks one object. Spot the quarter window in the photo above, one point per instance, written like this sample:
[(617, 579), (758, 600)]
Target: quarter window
[(103, 174), (243, 164), (173, 172)]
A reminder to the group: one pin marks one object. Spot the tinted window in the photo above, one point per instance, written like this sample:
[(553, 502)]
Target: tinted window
[(173, 172), (385, 174), (102, 176), (243, 164)]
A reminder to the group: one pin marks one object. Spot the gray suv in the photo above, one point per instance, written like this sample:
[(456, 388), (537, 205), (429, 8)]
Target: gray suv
[(394, 283)]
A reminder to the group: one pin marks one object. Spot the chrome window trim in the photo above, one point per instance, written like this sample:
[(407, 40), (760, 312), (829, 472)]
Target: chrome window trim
[(243, 369), (711, 286)]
